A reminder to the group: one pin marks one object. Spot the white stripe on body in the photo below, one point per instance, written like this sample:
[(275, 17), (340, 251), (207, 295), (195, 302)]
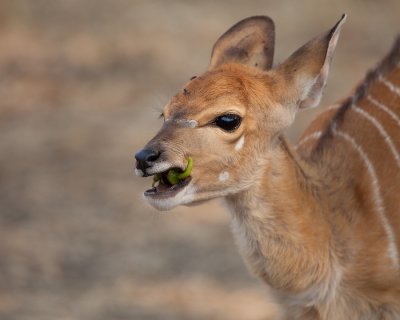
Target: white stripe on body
[(317, 134), (381, 130), (384, 108), (311, 136), (392, 87), (392, 249), (333, 107)]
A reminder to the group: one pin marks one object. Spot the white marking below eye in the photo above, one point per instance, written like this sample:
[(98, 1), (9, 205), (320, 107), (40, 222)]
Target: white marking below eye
[(139, 172), (240, 143), (223, 176)]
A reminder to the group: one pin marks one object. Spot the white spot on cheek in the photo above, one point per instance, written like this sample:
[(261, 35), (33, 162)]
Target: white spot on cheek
[(223, 176), (139, 172), (240, 143)]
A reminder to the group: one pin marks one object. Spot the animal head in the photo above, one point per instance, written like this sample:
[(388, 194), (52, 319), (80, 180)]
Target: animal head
[(227, 120)]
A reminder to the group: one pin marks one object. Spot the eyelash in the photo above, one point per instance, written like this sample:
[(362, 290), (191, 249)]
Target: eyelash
[(228, 122)]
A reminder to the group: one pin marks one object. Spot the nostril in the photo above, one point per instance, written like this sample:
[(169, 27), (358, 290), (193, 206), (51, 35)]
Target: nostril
[(145, 158), (153, 157)]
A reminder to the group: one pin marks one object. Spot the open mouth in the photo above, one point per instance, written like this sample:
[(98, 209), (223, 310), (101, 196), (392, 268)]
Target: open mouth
[(164, 186)]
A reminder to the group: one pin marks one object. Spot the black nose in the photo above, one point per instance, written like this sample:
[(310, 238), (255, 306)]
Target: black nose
[(145, 158)]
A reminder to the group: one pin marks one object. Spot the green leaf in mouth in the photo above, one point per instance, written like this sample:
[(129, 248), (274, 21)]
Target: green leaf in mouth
[(174, 176), (156, 177)]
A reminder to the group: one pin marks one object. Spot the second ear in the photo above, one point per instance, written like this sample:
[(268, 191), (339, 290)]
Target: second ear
[(304, 74)]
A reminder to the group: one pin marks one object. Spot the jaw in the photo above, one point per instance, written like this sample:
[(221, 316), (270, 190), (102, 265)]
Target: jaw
[(191, 191), (172, 185), (188, 195), (168, 200)]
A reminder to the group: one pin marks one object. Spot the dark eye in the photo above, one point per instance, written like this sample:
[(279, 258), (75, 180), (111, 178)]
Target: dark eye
[(228, 122)]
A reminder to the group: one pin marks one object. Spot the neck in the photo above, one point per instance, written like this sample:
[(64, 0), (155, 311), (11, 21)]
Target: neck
[(281, 229)]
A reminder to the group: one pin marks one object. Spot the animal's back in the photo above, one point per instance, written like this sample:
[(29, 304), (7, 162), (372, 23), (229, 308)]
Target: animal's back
[(355, 146), (378, 94)]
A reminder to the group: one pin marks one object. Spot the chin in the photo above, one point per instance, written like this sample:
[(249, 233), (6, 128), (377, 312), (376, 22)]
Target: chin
[(185, 193), (163, 200)]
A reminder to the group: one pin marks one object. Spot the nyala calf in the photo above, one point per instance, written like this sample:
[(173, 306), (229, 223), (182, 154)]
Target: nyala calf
[(319, 222)]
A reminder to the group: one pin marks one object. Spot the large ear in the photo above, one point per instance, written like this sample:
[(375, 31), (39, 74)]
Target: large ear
[(250, 42), (304, 74)]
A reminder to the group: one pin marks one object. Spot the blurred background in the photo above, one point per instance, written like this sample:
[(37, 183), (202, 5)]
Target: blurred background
[(81, 86)]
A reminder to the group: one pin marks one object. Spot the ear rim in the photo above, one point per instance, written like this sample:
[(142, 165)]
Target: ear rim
[(311, 94), (228, 44), (322, 77)]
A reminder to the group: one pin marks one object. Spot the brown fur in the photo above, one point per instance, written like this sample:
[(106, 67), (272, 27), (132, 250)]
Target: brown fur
[(305, 221)]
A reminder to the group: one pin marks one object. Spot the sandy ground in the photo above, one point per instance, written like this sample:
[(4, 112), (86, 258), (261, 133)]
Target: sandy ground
[(81, 84)]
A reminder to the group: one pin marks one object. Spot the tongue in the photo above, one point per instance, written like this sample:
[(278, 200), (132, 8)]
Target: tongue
[(162, 187)]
